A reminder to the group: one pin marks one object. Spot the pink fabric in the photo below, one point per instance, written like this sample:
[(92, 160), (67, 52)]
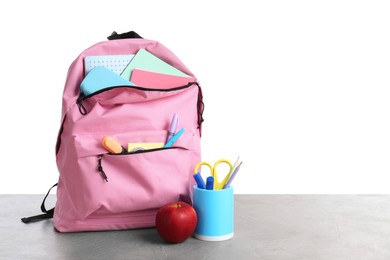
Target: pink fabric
[(138, 184)]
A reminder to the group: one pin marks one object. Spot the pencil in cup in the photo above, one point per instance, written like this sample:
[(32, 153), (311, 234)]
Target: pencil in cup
[(229, 182)]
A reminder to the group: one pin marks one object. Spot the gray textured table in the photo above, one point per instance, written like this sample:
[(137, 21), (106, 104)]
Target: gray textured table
[(330, 227)]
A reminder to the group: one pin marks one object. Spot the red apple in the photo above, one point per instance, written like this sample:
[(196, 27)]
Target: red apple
[(175, 222)]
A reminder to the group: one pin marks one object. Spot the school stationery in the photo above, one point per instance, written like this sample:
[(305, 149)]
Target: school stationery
[(210, 183), (172, 127), (149, 79), (135, 147), (215, 213), (112, 145), (100, 78), (229, 182), (235, 163), (139, 183), (213, 170), (115, 63), (147, 61), (199, 181), (174, 138)]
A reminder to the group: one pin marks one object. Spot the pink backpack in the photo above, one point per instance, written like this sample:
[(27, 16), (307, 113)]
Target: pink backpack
[(98, 190)]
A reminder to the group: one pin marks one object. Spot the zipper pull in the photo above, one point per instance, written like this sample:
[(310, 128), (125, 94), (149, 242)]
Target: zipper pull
[(100, 168), (82, 109)]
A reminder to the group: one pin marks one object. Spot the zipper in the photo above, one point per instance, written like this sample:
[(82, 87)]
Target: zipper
[(144, 151), (83, 111), (200, 104), (200, 109), (100, 167), (100, 157), (81, 98)]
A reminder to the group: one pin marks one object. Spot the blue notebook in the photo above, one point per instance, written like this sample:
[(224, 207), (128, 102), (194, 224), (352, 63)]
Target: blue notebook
[(100, 78)]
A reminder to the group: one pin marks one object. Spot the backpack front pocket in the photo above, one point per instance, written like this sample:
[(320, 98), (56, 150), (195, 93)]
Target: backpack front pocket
[(145, 180), (135, 181)]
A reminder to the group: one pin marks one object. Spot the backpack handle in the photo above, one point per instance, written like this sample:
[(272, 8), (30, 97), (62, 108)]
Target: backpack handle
[(128, 35)]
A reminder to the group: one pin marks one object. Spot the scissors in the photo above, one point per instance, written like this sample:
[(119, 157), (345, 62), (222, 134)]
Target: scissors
[(218, 185)]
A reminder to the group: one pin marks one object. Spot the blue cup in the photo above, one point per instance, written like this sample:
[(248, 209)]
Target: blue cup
[(215, 212)]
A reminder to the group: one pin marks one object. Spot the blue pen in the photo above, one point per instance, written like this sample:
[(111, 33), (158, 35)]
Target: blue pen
[(174, 138), (210, 183), (199, 180)]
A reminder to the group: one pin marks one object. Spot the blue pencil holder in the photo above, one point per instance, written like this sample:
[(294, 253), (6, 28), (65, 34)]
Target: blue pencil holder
[(215, 212)]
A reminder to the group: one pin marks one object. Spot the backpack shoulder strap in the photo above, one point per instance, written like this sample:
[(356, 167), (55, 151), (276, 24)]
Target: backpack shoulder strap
[(46, 213)]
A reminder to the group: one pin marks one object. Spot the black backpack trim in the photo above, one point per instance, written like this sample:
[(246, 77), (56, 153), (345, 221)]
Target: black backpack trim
[(46, 213), (127, 35)]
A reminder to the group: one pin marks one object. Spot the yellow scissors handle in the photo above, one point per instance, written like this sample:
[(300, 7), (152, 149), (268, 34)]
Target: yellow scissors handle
[(203, 163), (219, 185)]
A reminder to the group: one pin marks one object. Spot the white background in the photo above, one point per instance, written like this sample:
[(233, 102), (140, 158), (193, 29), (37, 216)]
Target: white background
[(298, 89)]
